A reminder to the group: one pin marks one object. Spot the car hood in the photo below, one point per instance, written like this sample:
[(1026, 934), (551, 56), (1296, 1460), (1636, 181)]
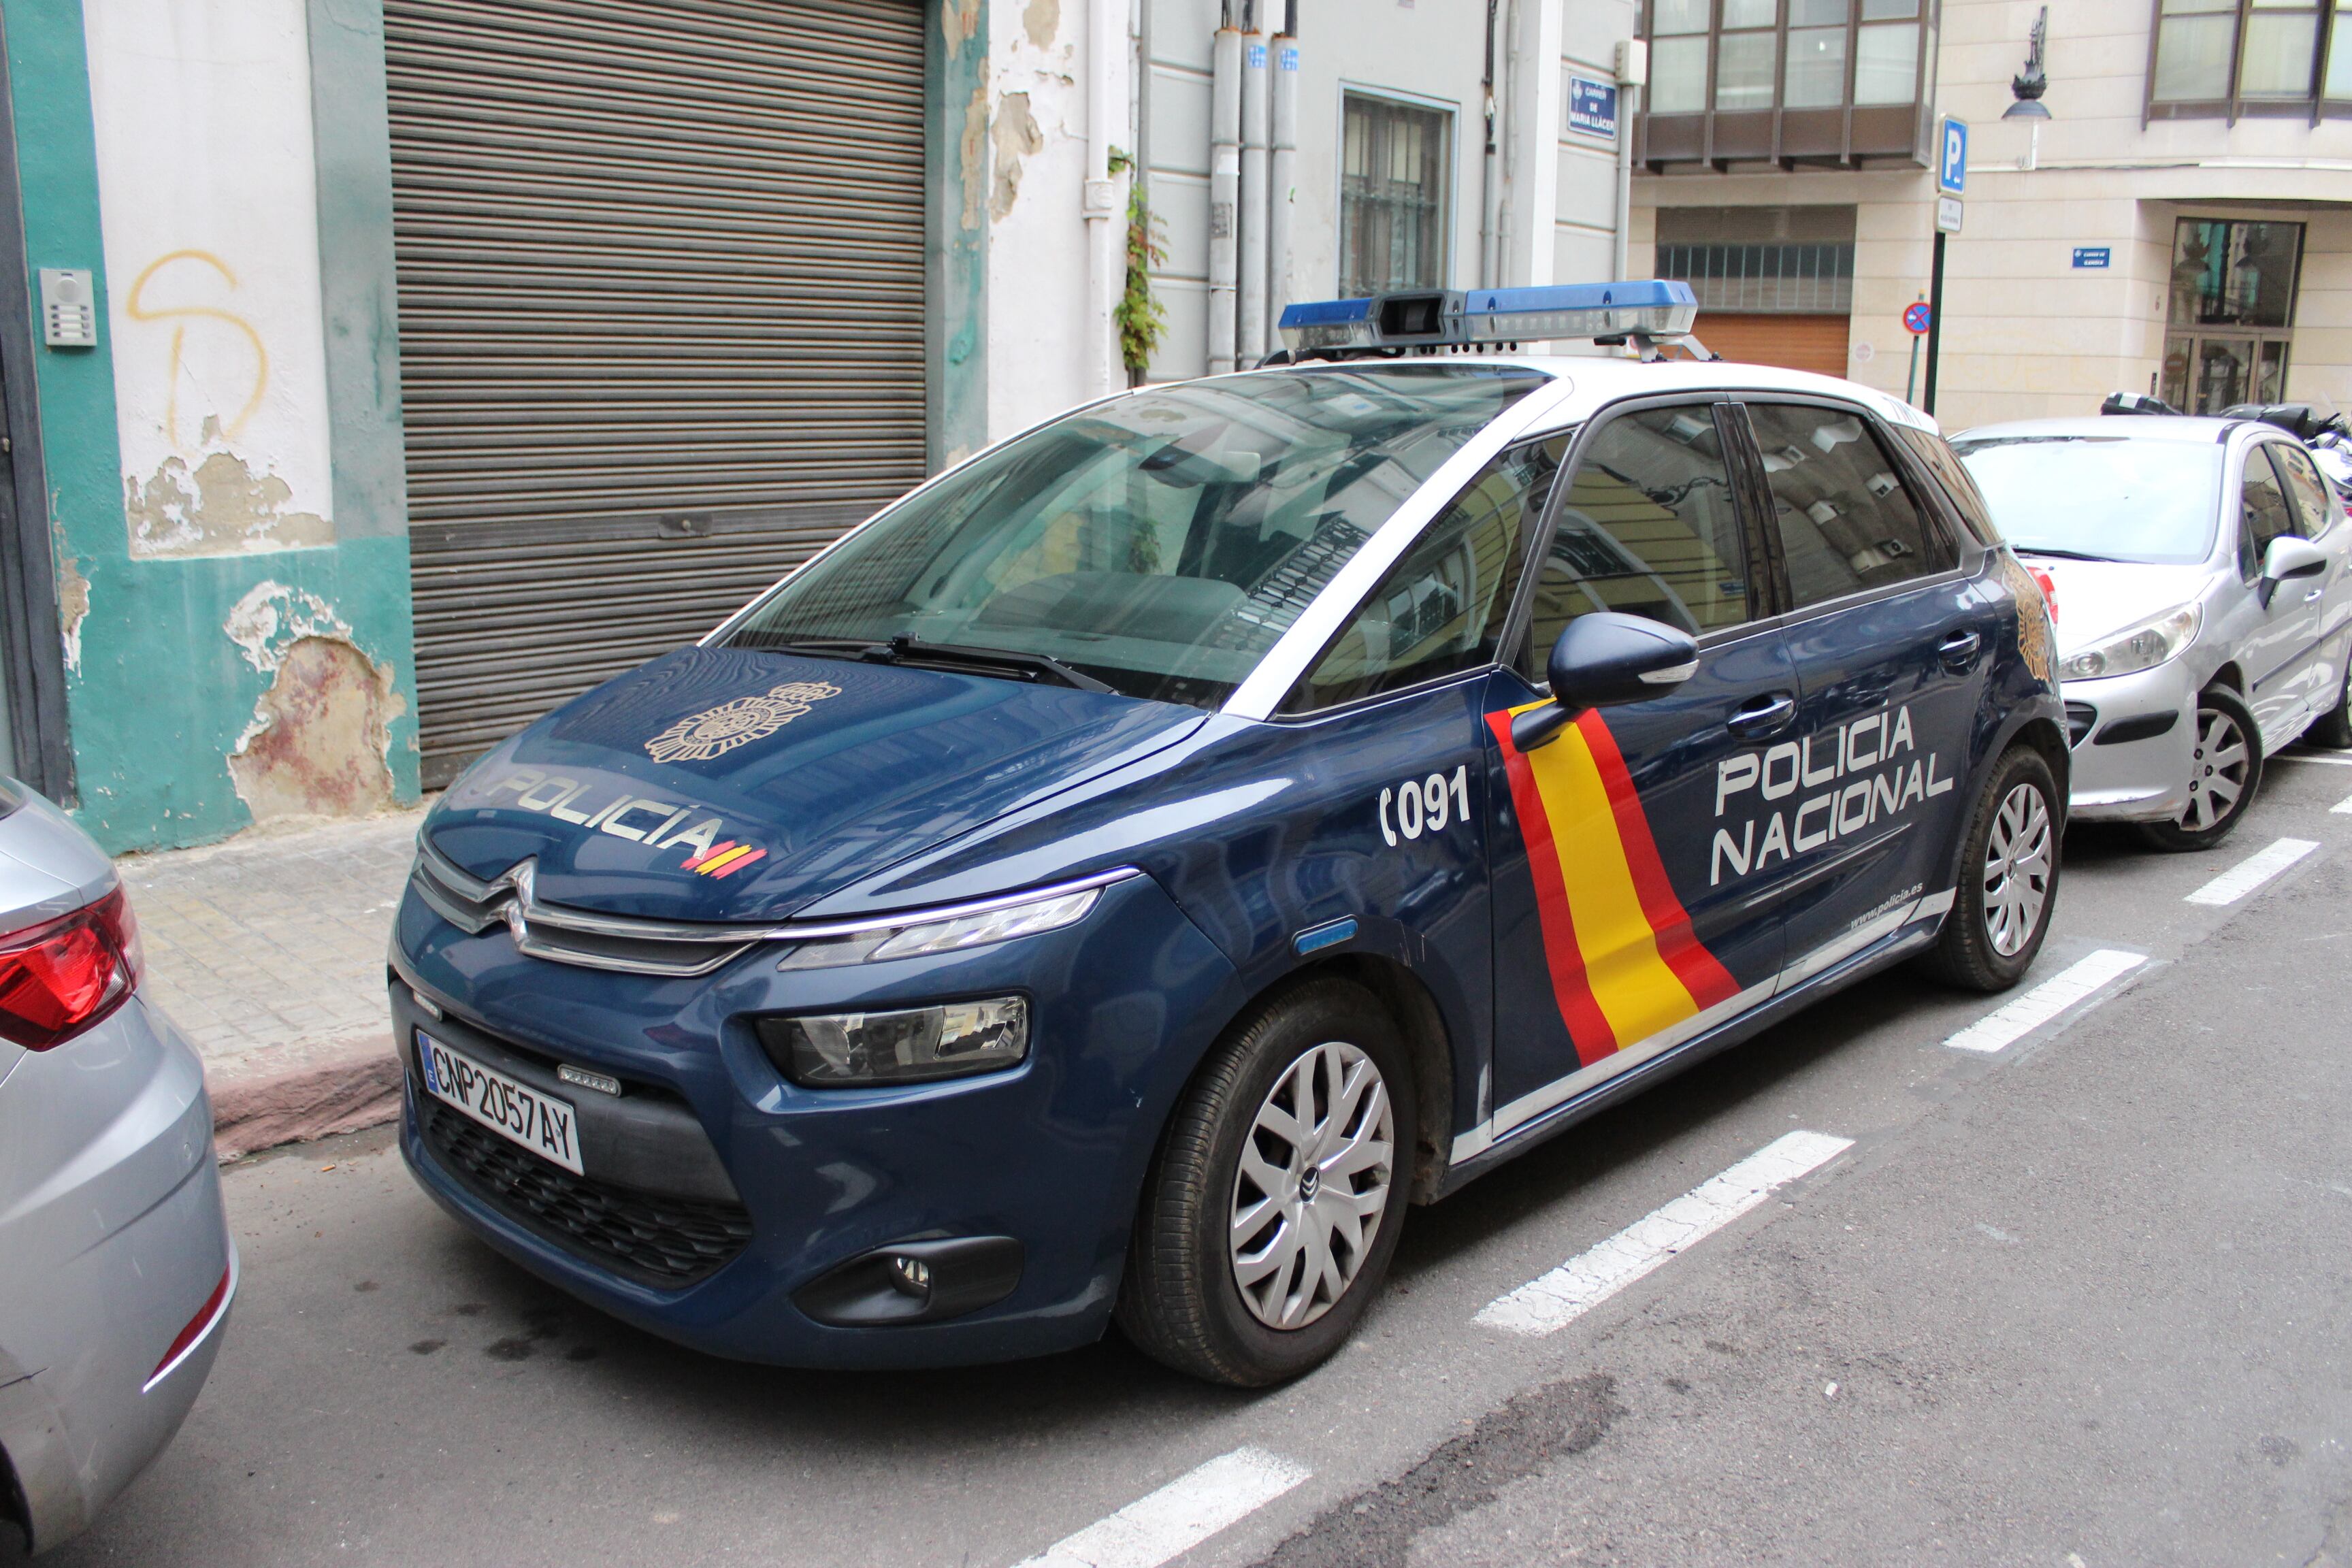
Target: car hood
[(738, 784), (2098, 598)]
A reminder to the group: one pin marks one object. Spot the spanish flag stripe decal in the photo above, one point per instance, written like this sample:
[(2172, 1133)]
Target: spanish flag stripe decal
[(720, 865), (1707, 981), (1588, 1030), (1625, 964), (709, 855)]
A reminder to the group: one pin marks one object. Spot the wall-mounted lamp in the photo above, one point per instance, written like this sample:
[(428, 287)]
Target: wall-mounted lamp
[(2030, 85)]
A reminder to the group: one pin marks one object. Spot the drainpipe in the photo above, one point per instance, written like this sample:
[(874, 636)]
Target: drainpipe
[(1486, 188), (1633, 74), (1224, 186), (1510, 146), (1105, 73), (1256, 109), (1284, 196)]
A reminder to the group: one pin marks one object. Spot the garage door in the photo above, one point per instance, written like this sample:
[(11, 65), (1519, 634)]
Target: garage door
[(661, 322), (1793, 343)]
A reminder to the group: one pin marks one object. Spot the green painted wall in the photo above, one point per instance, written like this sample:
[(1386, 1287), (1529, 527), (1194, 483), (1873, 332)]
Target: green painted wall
[(956, 384), (161, 695)]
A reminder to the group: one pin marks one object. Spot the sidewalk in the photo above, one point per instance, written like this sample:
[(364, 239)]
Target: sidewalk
[(269, 952)]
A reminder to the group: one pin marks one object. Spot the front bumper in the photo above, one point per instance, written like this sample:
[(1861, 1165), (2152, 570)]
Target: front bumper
[(1050, 1153), (115, 1243), (2133, 765)]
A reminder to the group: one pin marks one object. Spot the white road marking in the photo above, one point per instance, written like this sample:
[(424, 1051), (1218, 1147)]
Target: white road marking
[(1557, 1299), (2253, 871), (2307, 757), (1179, 1516), (2343, 806), (2003, 1028)]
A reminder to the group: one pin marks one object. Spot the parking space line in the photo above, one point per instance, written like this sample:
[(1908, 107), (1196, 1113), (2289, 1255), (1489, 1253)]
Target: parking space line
[(2307, 757), (2253, 871), (1179, 1516), (2343, 806), (2003, 1028), (1553, 1300)]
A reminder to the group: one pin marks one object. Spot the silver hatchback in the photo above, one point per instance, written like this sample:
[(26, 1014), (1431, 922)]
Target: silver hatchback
[(2201, 573), (116, 1268)]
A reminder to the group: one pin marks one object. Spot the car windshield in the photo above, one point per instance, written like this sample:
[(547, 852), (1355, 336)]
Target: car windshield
[(2102, 497), (1159, 544)]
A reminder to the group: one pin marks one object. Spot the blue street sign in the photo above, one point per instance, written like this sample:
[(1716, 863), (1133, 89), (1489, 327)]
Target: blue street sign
[(1915, 318), (1592, 106), (1952, 167), (2092, 255)]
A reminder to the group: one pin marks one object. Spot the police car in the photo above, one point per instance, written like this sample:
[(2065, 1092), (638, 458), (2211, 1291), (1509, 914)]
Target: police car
[(1120, 878)]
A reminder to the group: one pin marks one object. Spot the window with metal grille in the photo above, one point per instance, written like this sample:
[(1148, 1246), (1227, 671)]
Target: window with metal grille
[(1799, 279), (1392, 196)]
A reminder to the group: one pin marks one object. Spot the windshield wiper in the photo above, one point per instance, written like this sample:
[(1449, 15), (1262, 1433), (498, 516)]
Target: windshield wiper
[(821, 648), (2060, 554), (1030, 666)]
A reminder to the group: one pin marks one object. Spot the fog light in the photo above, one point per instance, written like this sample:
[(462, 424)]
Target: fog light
[(912, 1044), (910, 1275)]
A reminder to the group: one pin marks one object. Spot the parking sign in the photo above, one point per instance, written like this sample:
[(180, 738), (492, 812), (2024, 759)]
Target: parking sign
[(1952, 167)]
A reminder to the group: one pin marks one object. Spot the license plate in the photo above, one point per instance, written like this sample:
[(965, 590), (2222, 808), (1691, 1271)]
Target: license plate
[(541, 1123)]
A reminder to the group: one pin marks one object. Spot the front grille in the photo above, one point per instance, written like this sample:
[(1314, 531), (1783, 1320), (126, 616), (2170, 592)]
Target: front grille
[(2080, 716), (663, 1242), (566, 935)]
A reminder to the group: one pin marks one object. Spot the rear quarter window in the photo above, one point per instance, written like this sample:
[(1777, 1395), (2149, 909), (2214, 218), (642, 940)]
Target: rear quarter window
[(1952, 478)]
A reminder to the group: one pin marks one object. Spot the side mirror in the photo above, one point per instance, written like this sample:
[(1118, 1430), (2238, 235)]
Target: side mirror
[(2288, 558), (1603, 658)]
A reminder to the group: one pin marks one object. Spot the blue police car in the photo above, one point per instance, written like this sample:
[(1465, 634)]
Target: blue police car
[(1120, 878)]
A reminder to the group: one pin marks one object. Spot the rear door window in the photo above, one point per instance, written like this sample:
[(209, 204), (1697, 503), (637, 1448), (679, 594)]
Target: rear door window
[(1847, 523), (1649, 526)]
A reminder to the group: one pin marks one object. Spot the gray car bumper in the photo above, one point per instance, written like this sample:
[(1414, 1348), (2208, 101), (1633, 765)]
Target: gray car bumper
[(111, 1223), (2117, 777)]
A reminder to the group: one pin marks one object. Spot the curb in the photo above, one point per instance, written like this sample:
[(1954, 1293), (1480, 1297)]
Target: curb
[(300, 1096)]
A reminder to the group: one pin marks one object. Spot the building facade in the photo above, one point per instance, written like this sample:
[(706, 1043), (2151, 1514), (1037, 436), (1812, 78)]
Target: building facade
[(2179, 224)]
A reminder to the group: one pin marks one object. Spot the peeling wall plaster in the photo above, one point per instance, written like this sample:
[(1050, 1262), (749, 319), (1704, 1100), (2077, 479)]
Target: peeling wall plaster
[(320, 735), (1041, 19), (73, 607), (1016, 137), (220, 507), (272, 617)]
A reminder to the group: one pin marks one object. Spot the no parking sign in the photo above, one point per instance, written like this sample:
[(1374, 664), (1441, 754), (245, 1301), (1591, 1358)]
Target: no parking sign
[(1915, 318)]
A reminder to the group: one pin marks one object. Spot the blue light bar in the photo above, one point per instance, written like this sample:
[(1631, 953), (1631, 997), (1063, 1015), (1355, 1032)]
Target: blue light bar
[(1655, 307)]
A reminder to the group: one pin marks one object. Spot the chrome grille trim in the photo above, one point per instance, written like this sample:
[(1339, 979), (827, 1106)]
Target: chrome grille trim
[(673, 948)]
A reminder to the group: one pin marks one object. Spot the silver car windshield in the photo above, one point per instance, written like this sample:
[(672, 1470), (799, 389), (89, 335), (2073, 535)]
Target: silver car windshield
[(1157, 546), (2100, 498)]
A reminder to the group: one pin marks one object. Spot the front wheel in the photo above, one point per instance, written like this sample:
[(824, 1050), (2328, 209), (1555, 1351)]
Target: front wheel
[(2008, 879), (1274, 1205), (2224, 771)]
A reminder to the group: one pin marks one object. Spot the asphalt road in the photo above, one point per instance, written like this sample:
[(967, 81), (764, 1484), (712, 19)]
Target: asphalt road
[(2080, 1302)]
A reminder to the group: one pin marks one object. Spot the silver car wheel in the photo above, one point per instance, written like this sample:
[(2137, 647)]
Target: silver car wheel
[(2016, 871), (1313, 1185), (2217, 774)]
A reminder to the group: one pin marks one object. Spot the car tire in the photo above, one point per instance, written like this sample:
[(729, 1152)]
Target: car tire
[(1327, 1043), (2008, 879), (2333, 729), (2227, 753)]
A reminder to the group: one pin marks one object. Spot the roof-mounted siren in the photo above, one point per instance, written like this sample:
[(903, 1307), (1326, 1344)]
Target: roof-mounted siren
[(1644, 313)]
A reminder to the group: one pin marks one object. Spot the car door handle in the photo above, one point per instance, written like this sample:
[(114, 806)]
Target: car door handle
[(1960, 650), (2313, 597), (1761, 716)]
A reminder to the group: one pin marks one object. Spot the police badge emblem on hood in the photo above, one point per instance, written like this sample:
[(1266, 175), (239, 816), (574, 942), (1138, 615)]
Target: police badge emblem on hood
[(737, 784)]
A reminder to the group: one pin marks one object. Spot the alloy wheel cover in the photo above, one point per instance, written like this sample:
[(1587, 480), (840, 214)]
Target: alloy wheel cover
[(2017, 863), (2217, 771), (1313, 1185)]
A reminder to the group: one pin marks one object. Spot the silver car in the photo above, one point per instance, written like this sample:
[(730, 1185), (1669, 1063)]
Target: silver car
[(116, 1269), (2199, 576)]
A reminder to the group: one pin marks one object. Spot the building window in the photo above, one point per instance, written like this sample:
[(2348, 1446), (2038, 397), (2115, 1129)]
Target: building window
[(2237, 57), (1710, 60), (1392, 196), (2232, 312), (1760, 260)]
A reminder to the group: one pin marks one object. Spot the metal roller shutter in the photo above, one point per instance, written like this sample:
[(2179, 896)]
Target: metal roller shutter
[(1792, 341), (661, 322)]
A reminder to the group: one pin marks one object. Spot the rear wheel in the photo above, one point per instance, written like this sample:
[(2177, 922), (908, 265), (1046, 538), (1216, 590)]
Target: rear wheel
[(2224, 770), (1274, 1206), (2008, 879)]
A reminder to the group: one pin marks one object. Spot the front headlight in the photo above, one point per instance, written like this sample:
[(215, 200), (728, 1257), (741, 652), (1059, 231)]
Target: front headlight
[(2144, 647), (908, 1045), (912, 941)]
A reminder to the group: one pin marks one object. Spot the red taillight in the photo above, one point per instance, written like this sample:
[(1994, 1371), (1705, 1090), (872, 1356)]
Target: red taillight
[(2049, 591), (58, 978)]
